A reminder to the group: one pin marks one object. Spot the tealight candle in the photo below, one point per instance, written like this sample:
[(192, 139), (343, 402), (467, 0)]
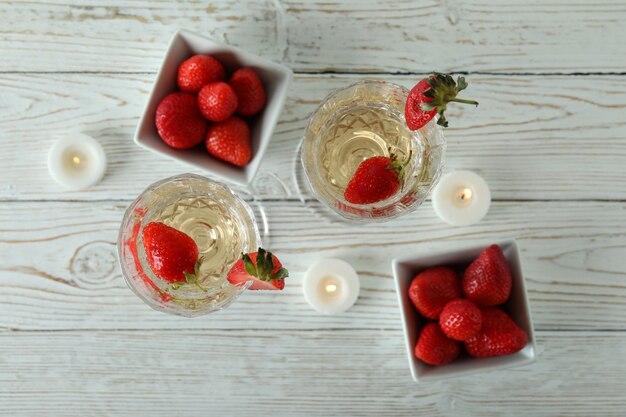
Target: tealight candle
[(331, 286), (77, 161), (461, 198)]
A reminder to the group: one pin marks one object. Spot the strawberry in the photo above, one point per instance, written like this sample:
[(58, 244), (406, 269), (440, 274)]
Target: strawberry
[(487, 281), (263, 268), (131, 244), (217, 101), (199, 70), (431, 96), (249, 90), (498, 336), (172, 254), (376, 179), (230, 141), (460, 319), (432, 289), (434, 347), (179, 121)]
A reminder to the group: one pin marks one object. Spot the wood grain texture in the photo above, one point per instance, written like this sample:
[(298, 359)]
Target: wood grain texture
[(556, 137), (58, 268), (371, 35), (294, 373)]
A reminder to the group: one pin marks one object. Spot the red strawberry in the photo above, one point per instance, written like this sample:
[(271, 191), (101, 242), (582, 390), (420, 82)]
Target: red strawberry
[(217, 101), (198, 71), (434, 347), (376, 179), (261, 267), (249, 90), (179, 121), (487, 281), (172, 254), (498, 336), (432, 289), (431, 96), (230, 141), (131, 243), (460, 319)]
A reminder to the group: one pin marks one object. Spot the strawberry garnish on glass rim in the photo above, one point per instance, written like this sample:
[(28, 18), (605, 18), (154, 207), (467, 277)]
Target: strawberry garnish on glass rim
[(430, 97), (262, 268)]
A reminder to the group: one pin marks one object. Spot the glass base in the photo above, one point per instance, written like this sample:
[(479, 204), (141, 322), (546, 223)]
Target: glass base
[(260, 215), (265, 186)]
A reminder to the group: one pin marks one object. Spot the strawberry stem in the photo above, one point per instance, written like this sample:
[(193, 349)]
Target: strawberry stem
[(443, 90), (460, 100), (193, 278), (399, 166), (264, 266)]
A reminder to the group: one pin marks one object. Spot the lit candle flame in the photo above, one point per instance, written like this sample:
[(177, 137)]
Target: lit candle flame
[(331, 288), (466, 194), (76, 160)]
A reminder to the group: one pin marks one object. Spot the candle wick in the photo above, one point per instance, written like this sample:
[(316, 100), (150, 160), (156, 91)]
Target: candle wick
[(466, 194)]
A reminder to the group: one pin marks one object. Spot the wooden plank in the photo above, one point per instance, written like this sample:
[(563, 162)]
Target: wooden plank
[(468, 35), (58, 266), (532, 137), (294, 373)]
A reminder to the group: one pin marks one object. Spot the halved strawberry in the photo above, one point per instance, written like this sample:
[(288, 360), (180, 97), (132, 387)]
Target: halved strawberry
[(431, 96), (261, 267)]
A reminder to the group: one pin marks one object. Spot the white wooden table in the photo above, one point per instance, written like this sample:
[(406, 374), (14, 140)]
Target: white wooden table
[(549, 137)]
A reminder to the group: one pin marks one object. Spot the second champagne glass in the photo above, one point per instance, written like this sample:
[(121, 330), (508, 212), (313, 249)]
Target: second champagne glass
[(364, 120)]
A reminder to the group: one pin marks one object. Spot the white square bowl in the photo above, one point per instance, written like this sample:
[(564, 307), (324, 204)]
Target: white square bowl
[(405, 269), (275, 78)]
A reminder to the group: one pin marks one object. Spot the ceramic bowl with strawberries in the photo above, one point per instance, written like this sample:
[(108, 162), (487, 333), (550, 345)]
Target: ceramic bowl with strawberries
[(464, 311), (213, 106)]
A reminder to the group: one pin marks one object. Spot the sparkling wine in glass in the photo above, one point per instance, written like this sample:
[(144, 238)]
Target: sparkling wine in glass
[(222, 225), (364, 120)]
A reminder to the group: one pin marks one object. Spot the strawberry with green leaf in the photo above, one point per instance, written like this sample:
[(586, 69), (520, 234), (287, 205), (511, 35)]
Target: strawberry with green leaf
[(430, 97), (131, 244), (261, 267), (171, 254), (376, 179)]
